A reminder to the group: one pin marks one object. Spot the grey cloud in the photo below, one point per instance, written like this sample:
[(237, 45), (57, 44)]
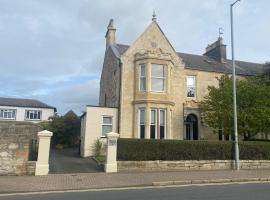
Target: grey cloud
[(46, 44)]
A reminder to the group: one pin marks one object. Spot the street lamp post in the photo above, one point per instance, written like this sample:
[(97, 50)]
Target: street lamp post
[(236, 148)]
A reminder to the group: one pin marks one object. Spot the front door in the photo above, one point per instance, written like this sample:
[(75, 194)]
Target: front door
[(189, 131), (191, 127)]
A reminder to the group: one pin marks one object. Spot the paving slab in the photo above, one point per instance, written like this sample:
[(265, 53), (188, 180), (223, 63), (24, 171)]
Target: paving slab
[(54, 182)]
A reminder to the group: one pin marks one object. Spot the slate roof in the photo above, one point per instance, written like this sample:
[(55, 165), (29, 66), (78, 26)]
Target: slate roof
[(205, 63), (71, 113), (17, 102)]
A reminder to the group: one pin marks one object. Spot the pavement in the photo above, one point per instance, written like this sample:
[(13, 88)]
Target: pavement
[(80, 181), (68, 161)]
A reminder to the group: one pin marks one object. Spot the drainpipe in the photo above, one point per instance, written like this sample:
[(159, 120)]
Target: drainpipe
[(120, 95)]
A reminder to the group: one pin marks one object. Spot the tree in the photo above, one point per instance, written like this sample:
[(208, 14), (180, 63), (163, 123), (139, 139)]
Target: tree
[(66, 129), (253, 106), (266, 73)]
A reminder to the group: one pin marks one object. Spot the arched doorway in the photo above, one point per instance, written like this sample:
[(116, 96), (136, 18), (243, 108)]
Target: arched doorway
[(192, 127)]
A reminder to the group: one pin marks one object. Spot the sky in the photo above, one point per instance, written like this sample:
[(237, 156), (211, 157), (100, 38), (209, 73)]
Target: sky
[(53, 50)]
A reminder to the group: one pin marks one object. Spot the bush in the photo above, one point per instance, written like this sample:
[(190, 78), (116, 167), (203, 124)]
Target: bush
[(143, 150), (98, 148)]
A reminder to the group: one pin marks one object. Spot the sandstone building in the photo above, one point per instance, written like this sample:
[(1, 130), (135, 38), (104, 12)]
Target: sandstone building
[(149, 90)]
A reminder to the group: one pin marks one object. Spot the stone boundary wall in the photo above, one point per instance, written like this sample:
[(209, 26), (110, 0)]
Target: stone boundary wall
[(31, 168), (15, 140), (187, 165)]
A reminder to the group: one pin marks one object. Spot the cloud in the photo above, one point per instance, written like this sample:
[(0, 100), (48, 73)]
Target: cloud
[(51, 49)]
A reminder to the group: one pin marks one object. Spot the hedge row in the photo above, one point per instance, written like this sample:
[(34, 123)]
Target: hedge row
[(143, 149)]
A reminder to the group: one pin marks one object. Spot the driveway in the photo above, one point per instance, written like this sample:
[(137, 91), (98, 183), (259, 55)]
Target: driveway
[(66, 161)]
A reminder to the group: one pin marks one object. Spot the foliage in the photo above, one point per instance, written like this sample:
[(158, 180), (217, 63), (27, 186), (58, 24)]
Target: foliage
[(101, 158), (266, 73), (98, 148), (66, 130), (253, 106), (145, 149)]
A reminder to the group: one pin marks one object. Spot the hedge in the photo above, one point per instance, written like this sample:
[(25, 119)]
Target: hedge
[(146, 149)]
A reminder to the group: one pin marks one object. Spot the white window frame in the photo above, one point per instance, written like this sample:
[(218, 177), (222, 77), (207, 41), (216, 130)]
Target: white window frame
[(164, 78), (139, 122), (143, 77), (33, 112), (105, 124), (189, 86), (156, 124), (165, 121), (12, 111)]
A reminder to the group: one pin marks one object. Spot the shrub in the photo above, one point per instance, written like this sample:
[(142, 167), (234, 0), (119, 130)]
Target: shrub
[(143, 149), (98, 148)]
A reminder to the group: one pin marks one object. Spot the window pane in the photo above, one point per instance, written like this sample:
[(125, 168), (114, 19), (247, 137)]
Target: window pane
[(153, 116), (191, 81), (13, 114), (190, 92), (142, 116), (106, 129), (157, 84), (143, 84), (162, 132), (152, 131), (142, 131), (157, 70), (107, 120), (143, 70), (162, 117)]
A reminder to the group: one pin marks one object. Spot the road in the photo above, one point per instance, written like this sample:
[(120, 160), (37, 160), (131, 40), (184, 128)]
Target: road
[(214, 192)]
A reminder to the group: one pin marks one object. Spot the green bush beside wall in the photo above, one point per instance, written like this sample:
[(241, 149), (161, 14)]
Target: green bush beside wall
[(143, 150)]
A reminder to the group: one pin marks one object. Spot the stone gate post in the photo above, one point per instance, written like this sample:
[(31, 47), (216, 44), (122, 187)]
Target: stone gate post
[(42, 165), (111, 156)]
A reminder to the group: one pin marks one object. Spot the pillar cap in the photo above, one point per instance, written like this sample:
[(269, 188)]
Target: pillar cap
[(112, 135), (45, 133)]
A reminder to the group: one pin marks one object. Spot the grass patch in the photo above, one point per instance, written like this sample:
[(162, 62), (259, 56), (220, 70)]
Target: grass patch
[(101, 158)]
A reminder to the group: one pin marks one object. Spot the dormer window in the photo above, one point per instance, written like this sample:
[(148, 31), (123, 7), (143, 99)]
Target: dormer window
[(158, 78), (142, 78)]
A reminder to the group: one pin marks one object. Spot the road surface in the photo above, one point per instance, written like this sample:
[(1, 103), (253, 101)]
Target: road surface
[(213, 192)]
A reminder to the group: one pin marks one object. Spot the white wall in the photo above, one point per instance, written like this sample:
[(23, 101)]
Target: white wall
[(20, 113), (92, 127)]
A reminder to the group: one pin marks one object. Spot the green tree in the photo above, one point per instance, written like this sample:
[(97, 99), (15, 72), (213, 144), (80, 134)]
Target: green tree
[(266, 73), (66, 130), (253, 106)]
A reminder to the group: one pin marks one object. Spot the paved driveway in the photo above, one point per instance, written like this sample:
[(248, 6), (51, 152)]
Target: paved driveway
[(67, 161)]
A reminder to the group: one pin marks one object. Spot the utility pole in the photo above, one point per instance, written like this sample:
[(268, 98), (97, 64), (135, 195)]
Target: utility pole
[(236, 147)]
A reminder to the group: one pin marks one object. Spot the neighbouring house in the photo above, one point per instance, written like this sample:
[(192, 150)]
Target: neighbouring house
[(30, 110), (149, 90)]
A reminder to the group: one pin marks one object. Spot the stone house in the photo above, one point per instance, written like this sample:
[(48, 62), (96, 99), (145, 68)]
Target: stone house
[(149, 90)]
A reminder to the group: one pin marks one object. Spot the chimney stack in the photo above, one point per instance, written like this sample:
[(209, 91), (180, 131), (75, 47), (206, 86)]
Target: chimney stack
[(110, 34), (217, 51)]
